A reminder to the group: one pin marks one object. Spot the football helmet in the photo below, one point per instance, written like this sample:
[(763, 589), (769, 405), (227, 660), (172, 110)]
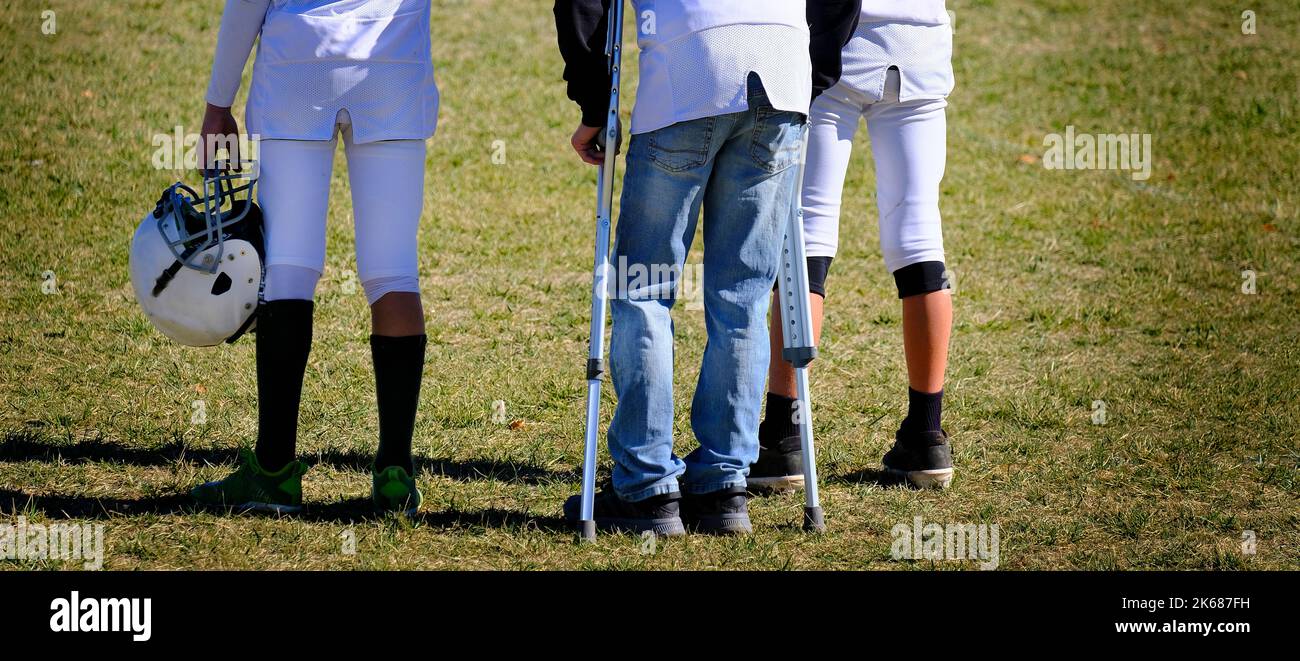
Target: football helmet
[(197, 261)]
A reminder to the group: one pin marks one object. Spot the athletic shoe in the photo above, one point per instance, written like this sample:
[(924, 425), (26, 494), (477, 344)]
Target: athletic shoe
[(722, 512), (923, 458), (252, 488), (778, 469), (661, 514), (393, 490)]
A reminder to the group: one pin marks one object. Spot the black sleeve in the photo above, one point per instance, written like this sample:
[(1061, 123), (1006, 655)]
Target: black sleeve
[(581, 27), (831, 24)]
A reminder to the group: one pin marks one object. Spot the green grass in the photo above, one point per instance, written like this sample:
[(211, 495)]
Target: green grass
[(1072, 286)]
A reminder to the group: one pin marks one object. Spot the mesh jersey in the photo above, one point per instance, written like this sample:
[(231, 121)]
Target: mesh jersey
[(922, 53), (930, 12), (696, 56), (319, 57)]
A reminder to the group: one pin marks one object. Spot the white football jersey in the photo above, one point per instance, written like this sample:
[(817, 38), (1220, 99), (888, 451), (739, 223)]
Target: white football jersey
[(696, 56), (316, 58), (913, 35), (930, 12)]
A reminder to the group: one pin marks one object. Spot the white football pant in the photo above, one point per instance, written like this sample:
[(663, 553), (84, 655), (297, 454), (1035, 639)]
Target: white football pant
[(387, 181)]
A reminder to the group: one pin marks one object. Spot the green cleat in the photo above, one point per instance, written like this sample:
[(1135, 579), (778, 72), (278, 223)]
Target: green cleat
[(395, 491), (251, 488)]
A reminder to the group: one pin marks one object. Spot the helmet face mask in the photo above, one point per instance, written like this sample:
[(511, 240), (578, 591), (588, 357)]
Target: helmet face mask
[(197, 260), (191, 223)]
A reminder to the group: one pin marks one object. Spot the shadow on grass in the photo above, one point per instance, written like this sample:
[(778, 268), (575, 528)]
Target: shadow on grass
[(14, 503), (355, 510), (872, 476), (27, 446)]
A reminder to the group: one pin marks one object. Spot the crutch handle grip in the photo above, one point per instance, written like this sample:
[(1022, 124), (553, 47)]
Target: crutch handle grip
[(602, 138)]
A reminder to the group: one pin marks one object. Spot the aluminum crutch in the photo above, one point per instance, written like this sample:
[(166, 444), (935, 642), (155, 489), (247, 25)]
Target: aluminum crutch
[(799, 347), (601, 270)]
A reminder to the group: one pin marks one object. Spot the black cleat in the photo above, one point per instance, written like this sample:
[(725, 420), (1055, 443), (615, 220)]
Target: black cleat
[(722, 512), (779, 469), (660, 514), (923, 458)]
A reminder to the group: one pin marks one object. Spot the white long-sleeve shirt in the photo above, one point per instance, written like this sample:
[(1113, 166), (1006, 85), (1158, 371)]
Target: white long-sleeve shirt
[(319, 57)]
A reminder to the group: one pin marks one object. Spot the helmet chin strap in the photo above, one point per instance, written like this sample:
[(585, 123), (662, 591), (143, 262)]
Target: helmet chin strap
[(243, 328), (170, 272), (167, 275)]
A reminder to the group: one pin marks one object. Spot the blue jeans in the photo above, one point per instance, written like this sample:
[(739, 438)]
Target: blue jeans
[(740, 168)]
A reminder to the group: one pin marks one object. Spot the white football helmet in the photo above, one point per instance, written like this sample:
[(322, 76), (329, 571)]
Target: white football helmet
[(197, 261)]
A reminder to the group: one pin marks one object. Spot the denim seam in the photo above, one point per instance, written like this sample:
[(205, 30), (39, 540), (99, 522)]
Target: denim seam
[(710, 487), (650, 492)]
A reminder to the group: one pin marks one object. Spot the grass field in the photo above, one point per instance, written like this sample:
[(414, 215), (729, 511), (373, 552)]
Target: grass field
[(1072, 286)]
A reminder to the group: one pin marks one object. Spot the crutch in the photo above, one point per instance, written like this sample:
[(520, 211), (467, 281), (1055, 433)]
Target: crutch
[(599, 291), (799, 348)]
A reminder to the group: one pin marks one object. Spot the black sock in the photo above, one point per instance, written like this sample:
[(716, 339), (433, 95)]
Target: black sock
[(778, 421), (399, 366), (924, 411), (283, 343)]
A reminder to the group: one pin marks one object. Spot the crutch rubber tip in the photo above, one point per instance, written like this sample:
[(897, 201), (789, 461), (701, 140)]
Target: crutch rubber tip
[(812, 520), (588, 531)]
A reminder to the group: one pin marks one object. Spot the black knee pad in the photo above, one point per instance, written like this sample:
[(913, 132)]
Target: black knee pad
[(920, 278), (818, 267)]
